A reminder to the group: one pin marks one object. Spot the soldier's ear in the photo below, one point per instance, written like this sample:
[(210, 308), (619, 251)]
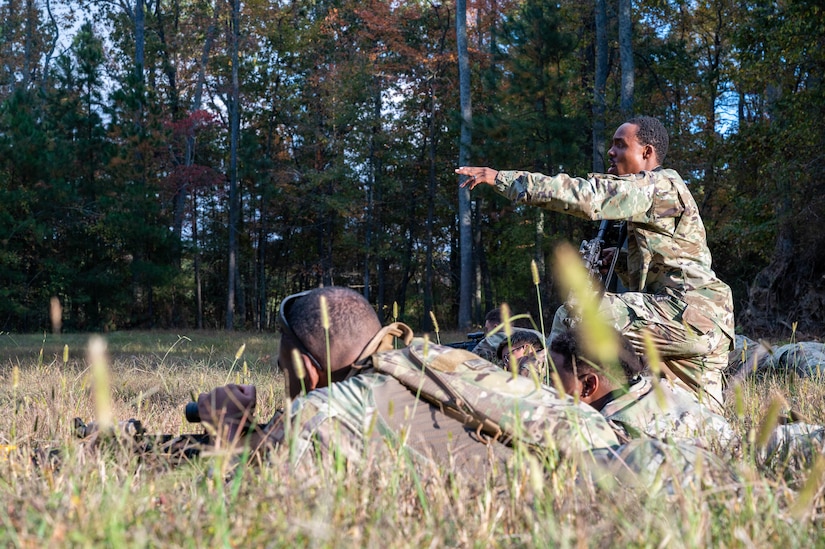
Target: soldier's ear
[(590, 384), (313, 375)]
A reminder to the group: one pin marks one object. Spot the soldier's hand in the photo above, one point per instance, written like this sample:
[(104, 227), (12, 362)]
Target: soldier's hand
[(606, 260), (477, 176), (231, 406)]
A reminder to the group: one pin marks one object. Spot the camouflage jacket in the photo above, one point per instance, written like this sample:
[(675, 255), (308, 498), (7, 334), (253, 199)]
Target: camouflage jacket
[(487, 347), (667, 245), (370, 408), (371, 412), (666, 411)]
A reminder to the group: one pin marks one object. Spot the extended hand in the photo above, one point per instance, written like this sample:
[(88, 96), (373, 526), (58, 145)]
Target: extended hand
[(477, 176)]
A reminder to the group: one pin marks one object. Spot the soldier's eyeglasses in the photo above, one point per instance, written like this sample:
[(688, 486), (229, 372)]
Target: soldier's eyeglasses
[(286, 329), (505, 355)]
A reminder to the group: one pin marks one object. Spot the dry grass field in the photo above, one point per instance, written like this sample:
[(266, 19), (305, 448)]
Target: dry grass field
[(113, 497)]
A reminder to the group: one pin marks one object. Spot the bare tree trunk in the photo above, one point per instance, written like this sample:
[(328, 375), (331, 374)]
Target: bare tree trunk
[(626, 56), (599, 83), (478, 251), (375, 169), (189, 157), (260, 309), (234, 123), (464, 210), (429, 277), (54, 31), (197, 264)]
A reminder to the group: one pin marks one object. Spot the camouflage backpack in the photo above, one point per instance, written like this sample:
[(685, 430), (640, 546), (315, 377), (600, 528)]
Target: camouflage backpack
[(497, 404)]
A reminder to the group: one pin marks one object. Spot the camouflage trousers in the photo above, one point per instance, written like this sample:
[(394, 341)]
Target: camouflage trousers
[(692, 354)]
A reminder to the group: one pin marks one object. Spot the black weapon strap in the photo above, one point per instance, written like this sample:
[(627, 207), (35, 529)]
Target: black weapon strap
[(619, 245)]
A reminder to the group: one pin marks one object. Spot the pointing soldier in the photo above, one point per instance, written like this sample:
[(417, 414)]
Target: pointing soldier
[(674, 296)]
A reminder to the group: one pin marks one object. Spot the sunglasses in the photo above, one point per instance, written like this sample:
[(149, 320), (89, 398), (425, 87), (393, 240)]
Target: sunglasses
[(287, 330)]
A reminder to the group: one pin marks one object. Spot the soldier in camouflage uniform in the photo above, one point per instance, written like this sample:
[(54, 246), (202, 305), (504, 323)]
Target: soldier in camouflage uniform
[(347, 407), (674, 296), (486, 348), (641, 406), (805, 358)]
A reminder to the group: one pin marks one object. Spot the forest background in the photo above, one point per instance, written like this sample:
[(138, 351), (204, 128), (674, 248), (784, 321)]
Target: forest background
[(187, 163)]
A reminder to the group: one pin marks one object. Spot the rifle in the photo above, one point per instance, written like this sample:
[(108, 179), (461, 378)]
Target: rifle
[(473, 339), (132, 434), (591, 252)]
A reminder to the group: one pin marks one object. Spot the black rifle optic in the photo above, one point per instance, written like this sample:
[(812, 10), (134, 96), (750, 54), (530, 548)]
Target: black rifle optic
[(191, 412)]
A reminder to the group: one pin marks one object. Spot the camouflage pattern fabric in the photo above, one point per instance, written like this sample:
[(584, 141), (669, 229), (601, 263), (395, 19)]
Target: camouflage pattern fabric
[(668, 412), (541, 339), (371, 412), (805, 358), (487, 347), (793, 446), (674, 294), (347, 418), (503, 406), (653, 465)]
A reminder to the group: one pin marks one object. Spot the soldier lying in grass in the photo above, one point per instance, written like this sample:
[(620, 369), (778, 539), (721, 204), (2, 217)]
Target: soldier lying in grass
[(641, 405), (335, 357), (354, 393)]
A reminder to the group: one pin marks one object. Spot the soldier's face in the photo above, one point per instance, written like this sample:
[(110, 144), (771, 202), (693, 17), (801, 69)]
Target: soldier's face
[(572, 385), (516, 353), (627, 155)]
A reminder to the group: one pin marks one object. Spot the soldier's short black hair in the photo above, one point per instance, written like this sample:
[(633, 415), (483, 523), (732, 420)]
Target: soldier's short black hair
[(350, 314), (652, 132), (568, 345), (519, 338), (493, 315)]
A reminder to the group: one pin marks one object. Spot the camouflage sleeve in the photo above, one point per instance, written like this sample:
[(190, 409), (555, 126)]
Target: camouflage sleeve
[(331, 421), (600, 196)]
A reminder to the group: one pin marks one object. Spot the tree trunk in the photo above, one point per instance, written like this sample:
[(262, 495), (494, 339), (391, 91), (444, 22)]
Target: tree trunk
[(464, 210), (260, 309), (626, 56), (140, 40), (234, 214), (599, 83), (478, 251), (372, 185), (429, 277), (189, 157), (196, 264)]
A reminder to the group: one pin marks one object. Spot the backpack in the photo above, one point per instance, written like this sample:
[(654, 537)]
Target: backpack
[(497, 404)]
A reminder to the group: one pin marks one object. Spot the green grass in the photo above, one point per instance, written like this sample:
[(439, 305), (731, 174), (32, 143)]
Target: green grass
[(112, 498)]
